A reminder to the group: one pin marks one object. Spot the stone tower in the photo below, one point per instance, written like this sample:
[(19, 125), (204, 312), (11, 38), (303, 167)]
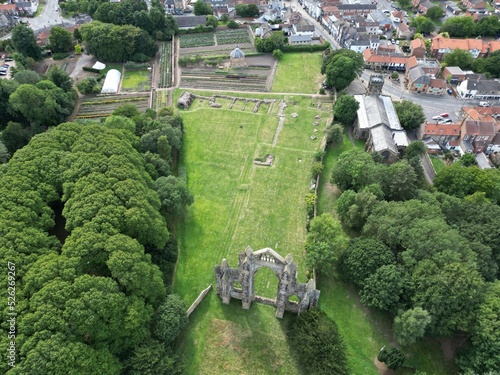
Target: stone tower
[(375, 85)]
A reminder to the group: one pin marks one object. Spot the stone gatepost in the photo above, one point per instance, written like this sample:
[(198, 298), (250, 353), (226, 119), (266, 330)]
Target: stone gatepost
[(246, 278)]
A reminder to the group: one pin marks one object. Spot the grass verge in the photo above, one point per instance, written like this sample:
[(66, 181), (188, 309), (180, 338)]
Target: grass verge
[(298, 72)]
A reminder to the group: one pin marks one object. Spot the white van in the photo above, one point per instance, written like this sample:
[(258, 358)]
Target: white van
[(484, 104)]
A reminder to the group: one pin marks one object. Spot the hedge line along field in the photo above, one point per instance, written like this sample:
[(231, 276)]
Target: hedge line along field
[(238, 203), (104, 105)]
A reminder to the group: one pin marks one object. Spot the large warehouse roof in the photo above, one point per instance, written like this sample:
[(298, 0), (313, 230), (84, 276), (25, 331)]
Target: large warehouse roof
[(111, 82)]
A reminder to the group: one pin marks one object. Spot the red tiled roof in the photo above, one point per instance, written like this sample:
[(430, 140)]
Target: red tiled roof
[(7, 7), (440, 42), (412, 62), (417, 43), (370, 56), (441, 129), (441, 83), (479, 128)]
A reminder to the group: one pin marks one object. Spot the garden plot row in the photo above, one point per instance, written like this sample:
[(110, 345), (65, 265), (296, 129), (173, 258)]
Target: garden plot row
[(232, 36), (165, 65), (224, 50), (103, 106), (196, 40), (207, 83)]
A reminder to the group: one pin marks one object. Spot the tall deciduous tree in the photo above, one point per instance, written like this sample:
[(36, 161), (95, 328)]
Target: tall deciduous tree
[(345, 109), (201, 8), (174, 195), (436, 12), (325, 243), (458, 57), (61, 40), (410, 325), (25, 42), (383, 289), (340, 72), (411, 115), (461, 26), (171, 318)]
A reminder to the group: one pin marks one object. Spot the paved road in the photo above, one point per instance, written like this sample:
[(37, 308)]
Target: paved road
[(48, 18)]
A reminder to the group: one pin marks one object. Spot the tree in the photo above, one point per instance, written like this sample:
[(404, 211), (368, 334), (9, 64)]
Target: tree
[(335, 133), (423, 25), (244, 10), (450, 293), (89, 85), (340, 72), (383, 289), (392, 357), (24, 41), (153, 358), (488, 26), (400, 181), (345, 109), (278, 54), (171, 319), (14, 137), (212, 21), (483, 356), (325, 243), (7, 87), (410, 325), (435, 12), (354, 170), (276, 41), (460, 26), (415, 149), (60, 78), (355, 56), (354, 208), (458, 57), (201, 8), (61, 40), (468, 160), (492, 63), (232, 24), (173, 194), (362, 258), (410, 114), (28, 77), (316, 340)]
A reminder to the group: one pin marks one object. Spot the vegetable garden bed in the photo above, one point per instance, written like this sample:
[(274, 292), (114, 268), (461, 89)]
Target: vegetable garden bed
[(232, 36), (197, 40), (103, 106), (165, 65)]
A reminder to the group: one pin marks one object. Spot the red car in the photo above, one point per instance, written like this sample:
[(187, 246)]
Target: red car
[(444, 115)]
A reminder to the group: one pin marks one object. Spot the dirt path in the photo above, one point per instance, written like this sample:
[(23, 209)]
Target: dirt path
[(84, 60)]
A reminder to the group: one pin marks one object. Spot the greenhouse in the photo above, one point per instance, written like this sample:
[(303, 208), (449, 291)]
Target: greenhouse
[(111, 82)]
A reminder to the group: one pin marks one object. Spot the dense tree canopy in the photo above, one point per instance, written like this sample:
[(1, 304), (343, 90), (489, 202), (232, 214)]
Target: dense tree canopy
[(341, 67), (117, 43), (87, 300), (459, 26), (458, 57), (423, 25), (201, 8), (61, 40)]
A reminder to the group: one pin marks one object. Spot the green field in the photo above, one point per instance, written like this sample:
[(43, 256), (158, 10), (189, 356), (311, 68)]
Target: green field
[(136, 80), (298, 72), (237, 204)]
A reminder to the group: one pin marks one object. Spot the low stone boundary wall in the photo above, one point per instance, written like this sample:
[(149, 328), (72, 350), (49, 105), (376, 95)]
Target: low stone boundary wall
[(198, 300)]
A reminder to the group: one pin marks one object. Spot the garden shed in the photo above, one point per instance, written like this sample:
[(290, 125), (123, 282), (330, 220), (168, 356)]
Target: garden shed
[(111, 82)]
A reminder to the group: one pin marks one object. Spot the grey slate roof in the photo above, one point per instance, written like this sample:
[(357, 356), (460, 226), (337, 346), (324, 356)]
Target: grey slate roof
[(417, 75), (347, 7), (483, 85)]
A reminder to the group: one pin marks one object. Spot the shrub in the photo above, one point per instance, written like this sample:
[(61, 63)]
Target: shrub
[(92, 70), (233, 24), (131, 65), (60, 55)]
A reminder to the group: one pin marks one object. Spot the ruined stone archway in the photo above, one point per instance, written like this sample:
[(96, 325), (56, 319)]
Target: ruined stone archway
[(249, 262)]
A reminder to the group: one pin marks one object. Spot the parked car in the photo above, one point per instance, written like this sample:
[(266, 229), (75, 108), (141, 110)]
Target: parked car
[(437, 118), (444, 114), (449, 91), (3, 73), (484, 104), (448, 121)]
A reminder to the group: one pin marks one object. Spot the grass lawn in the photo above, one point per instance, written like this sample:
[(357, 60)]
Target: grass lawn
[(237, 204), (437, 163), (298, 72), (136, 80)]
